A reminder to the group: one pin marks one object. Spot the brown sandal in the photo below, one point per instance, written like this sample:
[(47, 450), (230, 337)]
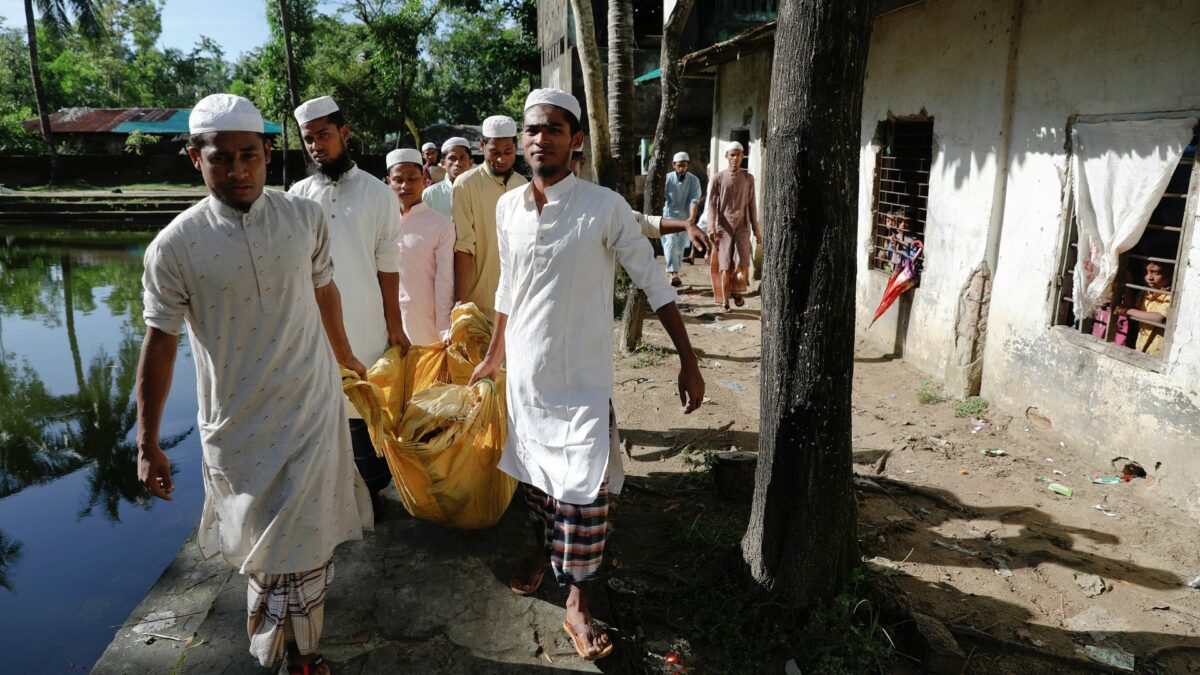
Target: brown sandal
[(577, 640), (535, 583), (739, 301)]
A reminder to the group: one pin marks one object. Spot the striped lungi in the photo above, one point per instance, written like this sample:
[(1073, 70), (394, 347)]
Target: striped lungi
[(286, 608), (574, 535)]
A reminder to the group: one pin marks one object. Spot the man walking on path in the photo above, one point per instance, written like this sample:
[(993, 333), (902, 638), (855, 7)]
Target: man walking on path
[(732, 216), (426, 253), (476, 260), (281, 491), (364, 230), (457, 152), (681, 202), (559, 241)]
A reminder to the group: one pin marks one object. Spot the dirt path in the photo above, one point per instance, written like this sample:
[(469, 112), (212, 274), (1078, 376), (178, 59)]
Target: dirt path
[(979, 542)]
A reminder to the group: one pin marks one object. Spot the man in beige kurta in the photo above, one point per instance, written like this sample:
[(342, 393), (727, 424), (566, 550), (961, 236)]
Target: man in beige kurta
[(732, 218), (248, 270), (476, 258)]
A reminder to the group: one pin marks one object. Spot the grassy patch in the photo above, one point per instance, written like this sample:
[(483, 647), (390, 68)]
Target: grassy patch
[(132, 187), (647, 355), (929, 393), (620, 292), (971, 406)]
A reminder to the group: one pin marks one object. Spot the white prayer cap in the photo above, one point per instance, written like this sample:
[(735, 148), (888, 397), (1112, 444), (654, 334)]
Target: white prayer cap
[(315, 108), (734, 146), (499, 126), (681, 157), (455, 141), (428, 146), (554, 97), (404, 155), (224, 112)]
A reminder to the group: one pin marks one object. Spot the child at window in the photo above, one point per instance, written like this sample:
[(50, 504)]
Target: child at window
[(1152, 306)]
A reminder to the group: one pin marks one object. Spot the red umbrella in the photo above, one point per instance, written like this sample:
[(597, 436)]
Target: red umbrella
[(904, 279)]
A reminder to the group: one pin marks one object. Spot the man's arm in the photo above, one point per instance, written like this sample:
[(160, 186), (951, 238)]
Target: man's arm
[(691, 382), (490, 366), (671, 226), (389, 288), (329, 300), (464, 269), (156, 365)]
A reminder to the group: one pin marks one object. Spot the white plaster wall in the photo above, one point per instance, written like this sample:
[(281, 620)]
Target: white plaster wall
[(741, 97), (1093, 57), (947, 59)]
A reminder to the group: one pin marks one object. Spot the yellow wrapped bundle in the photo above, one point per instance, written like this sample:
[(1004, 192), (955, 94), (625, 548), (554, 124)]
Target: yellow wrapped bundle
[(441, 439)]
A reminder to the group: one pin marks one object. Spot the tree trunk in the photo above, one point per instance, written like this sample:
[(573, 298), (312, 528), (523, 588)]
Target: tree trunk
[(672, 95), (283, 153), (39, 92), (620, 95), (800, 543), (593, 87), (293, 81)]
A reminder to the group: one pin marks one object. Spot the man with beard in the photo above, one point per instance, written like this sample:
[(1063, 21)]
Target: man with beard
[(364, 226), (457, 160), (476, 260), (559, 242), (431, 170), (281, 491), (681, 202)]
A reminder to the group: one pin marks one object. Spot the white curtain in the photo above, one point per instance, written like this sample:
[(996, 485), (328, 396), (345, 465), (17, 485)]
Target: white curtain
[(1120, 172)]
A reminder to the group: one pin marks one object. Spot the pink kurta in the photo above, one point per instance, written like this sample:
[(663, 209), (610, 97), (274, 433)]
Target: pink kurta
[(426, 273)]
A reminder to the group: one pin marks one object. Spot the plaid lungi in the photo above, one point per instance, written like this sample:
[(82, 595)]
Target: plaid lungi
[(574, 535), (286, 608)]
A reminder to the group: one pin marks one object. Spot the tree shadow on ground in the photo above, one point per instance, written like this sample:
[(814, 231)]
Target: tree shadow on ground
[(681, 438), (674, 538)]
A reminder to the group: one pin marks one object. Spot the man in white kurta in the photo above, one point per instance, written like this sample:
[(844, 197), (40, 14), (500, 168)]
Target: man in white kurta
[(426, 253), (240, 269), (559, 241), (364, 229)]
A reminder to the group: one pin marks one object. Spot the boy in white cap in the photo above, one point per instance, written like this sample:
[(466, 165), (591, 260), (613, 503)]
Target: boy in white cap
[(426, 253), (732, 216), (456, 159), (560, 240), (431, 170), (681, 202), (281, 490), (364, 229), (476, 261)]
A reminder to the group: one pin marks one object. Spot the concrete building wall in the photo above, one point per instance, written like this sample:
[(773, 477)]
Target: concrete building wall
[(1002, 81), (1093, 58), (741, 96)]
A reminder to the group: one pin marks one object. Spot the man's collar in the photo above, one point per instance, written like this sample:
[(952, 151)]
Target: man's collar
[(416, 209), (560, 189), (226, 211)]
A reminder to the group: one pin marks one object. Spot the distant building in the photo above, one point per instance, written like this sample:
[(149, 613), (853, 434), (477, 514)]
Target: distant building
[(103, 131)]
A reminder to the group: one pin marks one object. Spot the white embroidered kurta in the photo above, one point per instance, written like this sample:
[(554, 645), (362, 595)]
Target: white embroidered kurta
[(426, 273), (281, 489), (364, 227), (556, 286)]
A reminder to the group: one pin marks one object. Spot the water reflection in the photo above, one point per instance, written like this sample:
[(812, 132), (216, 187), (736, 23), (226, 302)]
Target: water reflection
[(67, 415)]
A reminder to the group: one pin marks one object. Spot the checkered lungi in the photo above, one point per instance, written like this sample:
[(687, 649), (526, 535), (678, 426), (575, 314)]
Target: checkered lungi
[(286, 608), (573, 535)]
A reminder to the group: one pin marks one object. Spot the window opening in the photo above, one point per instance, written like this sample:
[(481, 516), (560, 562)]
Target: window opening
[(1147, 275), (901, 191)]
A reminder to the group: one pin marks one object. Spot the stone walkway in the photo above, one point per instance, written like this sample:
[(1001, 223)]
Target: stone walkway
[(411, 598)]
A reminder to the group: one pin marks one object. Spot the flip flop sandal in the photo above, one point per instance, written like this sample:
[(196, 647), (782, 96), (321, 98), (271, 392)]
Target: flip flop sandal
[(577, 640), (737, 300), (514, 584), (676, 282), (307, 668)]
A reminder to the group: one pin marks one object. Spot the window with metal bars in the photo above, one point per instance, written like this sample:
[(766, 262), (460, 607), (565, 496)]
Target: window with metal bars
[(901, 191), (1147, 275)]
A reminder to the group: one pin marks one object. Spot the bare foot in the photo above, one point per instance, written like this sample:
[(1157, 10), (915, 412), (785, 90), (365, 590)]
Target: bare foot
[(528, 577)]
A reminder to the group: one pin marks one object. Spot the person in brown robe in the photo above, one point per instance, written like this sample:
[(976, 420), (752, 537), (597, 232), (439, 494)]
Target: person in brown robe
[(732, 217)]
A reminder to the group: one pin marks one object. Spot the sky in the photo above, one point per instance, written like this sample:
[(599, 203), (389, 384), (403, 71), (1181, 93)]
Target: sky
[(237, 25)]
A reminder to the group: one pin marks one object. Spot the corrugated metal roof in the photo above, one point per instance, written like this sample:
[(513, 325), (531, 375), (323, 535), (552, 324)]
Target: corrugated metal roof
[(123, 121)]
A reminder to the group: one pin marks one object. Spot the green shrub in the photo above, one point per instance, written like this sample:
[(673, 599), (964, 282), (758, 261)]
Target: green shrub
[(928, 394), (971, 406)]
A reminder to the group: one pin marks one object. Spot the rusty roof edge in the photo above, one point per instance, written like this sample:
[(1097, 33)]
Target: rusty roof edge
[(715, 54)]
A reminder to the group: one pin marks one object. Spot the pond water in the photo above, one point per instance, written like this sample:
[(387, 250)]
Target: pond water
[(80, 542)]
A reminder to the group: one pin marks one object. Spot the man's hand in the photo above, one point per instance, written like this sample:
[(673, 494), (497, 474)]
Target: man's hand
[(691, 388), (697, 236), (399, 339), (486, 369), (154, 471), (758, 237), (352, 363)]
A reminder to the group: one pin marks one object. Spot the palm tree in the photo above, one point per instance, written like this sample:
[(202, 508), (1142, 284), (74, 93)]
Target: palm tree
[(593, 89), (620, 94), (56, 20)]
